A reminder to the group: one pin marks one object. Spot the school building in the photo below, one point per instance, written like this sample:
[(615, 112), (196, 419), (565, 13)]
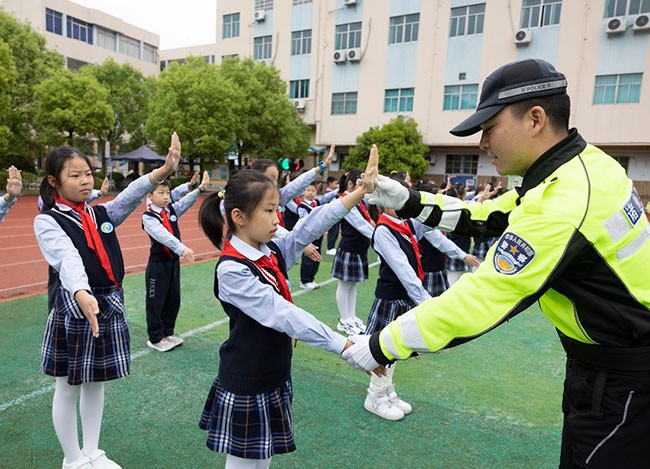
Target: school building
[(85, 35)]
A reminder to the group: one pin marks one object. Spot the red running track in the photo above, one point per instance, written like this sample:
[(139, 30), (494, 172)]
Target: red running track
[(24, 271)]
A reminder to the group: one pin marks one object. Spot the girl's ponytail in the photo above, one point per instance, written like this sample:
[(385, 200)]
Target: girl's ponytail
[(211, 219)]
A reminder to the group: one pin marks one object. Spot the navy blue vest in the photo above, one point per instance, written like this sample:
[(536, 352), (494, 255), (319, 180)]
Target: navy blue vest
[(433, 260), (351, 239), (70, 222), (388, 285), (254, 359), (157, 251)]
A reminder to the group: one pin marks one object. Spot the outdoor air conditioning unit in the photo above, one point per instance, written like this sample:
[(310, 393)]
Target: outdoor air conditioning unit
[(616, 25), (523, 36), (641, 23), (299, 104), (339, 56), (260, 15), (354, 55), (349, 2)]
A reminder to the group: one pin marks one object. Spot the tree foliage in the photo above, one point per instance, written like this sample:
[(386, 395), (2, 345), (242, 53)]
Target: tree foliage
[(33, 63), (128, 97), (400, 148), (7, 83), (196, 102), (268, 124), (72, 107)]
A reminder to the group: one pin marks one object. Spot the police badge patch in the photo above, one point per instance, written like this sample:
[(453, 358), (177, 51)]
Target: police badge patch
[(512, 254)]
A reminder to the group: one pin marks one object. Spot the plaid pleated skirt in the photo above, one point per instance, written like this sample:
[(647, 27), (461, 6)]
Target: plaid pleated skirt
[(69, 348), (481, 246), (350, 266), (457, 265), (383, 312), (255, 426), (435, 283)]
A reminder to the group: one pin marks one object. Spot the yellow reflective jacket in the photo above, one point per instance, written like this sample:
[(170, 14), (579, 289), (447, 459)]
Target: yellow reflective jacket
[(573, 237)]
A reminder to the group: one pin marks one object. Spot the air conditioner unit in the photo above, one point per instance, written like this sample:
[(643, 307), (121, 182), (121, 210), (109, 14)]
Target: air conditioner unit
[(260, 15), (616, 25), (354, 55), (641, 23), (523, 36), (339, 56), (349, 2), (299, 104)]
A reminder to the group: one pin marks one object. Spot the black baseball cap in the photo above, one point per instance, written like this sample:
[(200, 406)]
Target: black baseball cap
[(510, 83)]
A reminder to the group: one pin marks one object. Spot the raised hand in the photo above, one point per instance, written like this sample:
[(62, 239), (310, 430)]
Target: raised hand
[(388, 193), (372, 171), (103, 190), (205, 181), (194, 182), (14, 183), (89, 306)]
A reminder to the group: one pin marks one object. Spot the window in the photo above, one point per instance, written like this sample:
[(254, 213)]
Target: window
[(344, 103), (298, 89), (130, 46), (399, 100), (348, 36), (623, 161), (263, 5), (230, 56), (301, 2), (149, 53), (460, 97), (461, 164), (537, 13), (106, 38), (73, 64), (53, 21), (262, 47), (301, 42), (626, 7), (231, 25), (404, 28), (467, 20), (618, 89), (79, 30)]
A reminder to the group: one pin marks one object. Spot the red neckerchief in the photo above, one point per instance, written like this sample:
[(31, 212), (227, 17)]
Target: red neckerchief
[(93, 238), (405, 229), (263, 263), (280, 219), (167, 224)]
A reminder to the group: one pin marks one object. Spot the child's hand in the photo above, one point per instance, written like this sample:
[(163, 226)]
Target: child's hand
[(311, 252), (205, 182), (188, 255), (14, 183), (194, 182), (89, 306), (173, 156), (104, 189), (371, 172), (471, 261), (330, 156)]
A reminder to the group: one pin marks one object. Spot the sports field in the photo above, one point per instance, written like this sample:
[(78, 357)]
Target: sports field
[(492, 403)]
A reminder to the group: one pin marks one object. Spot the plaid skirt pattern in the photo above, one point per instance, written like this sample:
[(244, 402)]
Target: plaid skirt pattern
[(69, 348), (350, 266), (481, 246), (255, 426), (457, 265), (435, 283), (383, 312)]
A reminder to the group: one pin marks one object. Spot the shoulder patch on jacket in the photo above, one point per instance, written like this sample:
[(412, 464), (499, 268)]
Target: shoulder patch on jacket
[(513, 254)]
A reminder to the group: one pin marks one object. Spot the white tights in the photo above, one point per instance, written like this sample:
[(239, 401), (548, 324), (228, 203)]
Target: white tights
[(379, 383), (346, 299), (64, 416), (234, 462)]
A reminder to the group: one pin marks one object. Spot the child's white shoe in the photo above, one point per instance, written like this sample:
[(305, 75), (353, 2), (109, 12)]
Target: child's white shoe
[(100, 461), (397, 402), (379, 404), (81, 463)]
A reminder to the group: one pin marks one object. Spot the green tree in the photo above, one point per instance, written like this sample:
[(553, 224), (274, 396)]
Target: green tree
[(33, 63), (72, 107), (196, 102), (400, 148), (128, 96), (7, 82), (268, 124)]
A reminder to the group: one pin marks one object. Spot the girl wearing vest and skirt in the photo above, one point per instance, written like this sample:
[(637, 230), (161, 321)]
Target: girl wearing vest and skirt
[(86, 340)]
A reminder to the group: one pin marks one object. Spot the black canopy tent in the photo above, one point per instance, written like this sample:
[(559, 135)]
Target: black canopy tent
[(144, 154)]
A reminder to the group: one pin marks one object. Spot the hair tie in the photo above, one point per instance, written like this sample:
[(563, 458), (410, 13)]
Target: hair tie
[(221, 194)]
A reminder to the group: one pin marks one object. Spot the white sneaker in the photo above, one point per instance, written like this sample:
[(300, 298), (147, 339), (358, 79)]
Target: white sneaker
[(81, 463), (175, 339), (379, 404), (163, 346), (358, 323), (101, 461), (309, 285), (331, 252), (348, 328), (397, 402)]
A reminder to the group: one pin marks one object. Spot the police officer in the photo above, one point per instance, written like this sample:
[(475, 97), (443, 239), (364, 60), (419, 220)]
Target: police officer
[(572, 237)]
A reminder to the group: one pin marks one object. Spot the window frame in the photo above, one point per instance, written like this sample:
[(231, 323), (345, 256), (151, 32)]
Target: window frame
[(346, 101), (619, 89), (399, 100), (404, 28), (344, 33), (464, 98), (540, 13), (265, 45), (230, 27), (299, 89), (301, 42), (53, 19), (467, 164), (263, 5), (77, 29), (467, 22)]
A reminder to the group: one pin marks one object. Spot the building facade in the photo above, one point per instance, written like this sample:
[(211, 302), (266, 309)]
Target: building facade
[(85, 35), (353, 64)]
